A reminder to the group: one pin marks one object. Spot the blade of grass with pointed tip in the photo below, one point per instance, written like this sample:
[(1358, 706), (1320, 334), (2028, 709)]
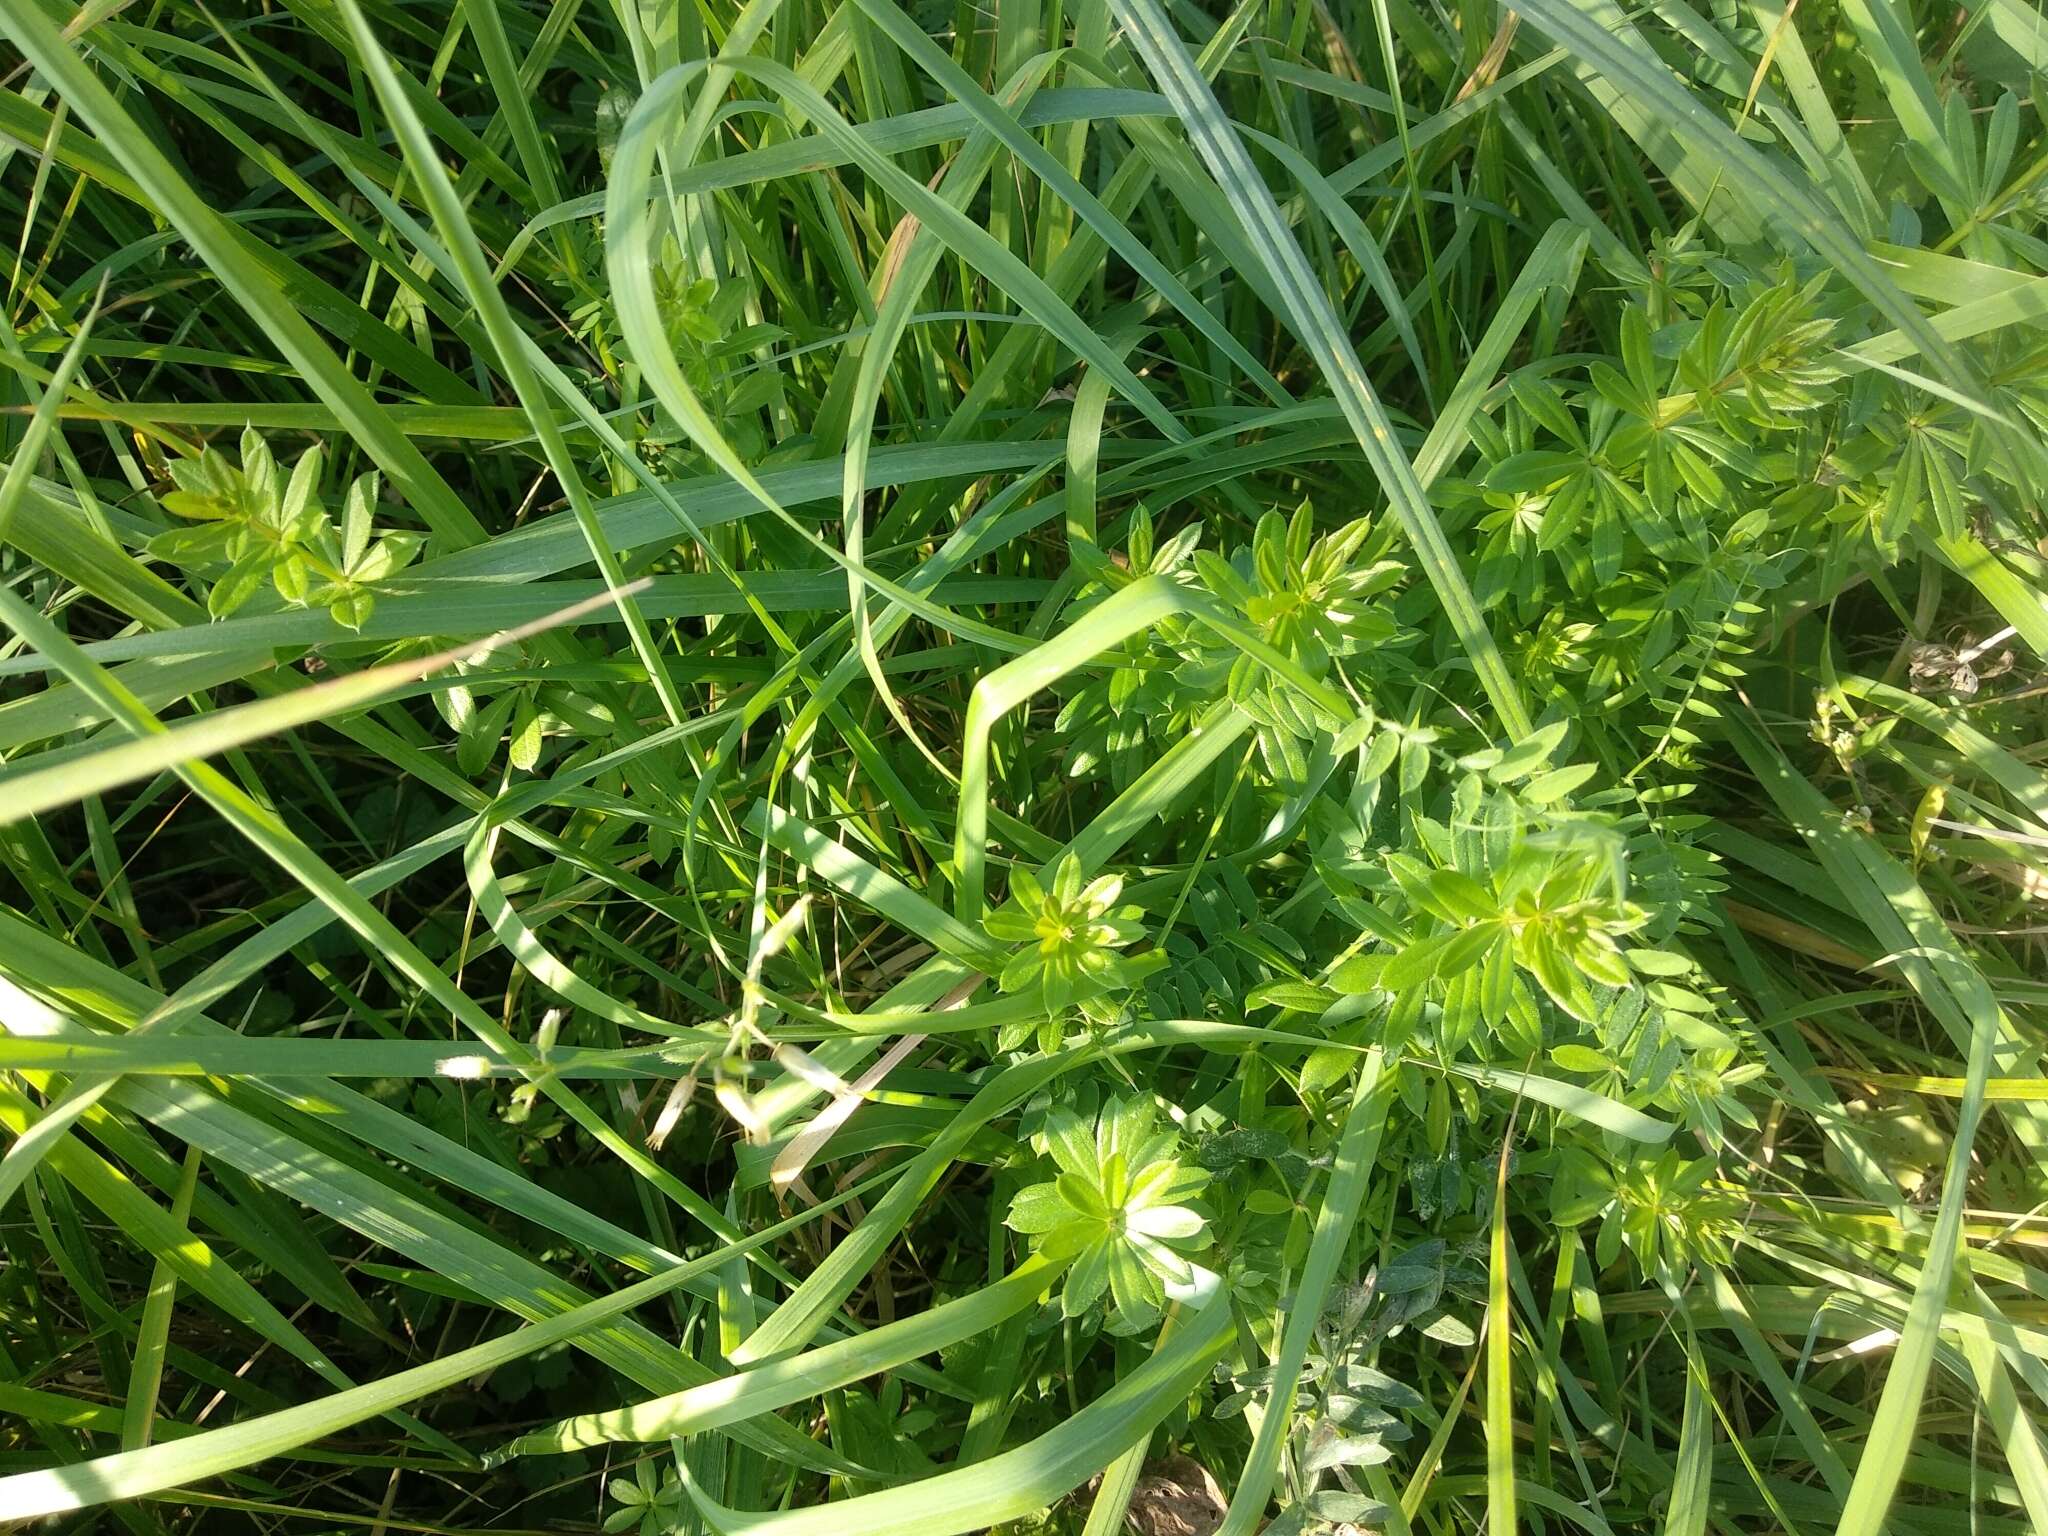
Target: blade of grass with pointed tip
[(29, 451)]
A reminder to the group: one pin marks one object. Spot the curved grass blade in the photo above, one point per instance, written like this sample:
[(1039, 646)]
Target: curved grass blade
[(1134, 608)]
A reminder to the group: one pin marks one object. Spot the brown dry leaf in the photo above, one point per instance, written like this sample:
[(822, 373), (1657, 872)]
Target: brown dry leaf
[(1959, 670), (1941, 669), (1176, 1497)]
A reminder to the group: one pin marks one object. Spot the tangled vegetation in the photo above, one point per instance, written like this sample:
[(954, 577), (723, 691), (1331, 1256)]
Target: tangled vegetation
[(833, 768)]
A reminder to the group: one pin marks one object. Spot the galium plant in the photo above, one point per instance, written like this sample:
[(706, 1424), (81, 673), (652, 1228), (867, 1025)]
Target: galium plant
[(1072, 931), (1119, 1208), (270, 528)]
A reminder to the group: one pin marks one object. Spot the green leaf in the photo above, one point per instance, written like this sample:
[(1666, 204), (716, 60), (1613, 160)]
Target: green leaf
[(1579, 1058), (1547, 788)]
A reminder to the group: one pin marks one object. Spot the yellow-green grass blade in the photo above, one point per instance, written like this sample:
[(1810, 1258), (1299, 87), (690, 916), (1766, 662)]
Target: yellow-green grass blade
[(40, 789), (29, 451), (159, 1303), (1133, 609), (82, 1058), (1691, 1487), (730, 1400), (1503, 1487)]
